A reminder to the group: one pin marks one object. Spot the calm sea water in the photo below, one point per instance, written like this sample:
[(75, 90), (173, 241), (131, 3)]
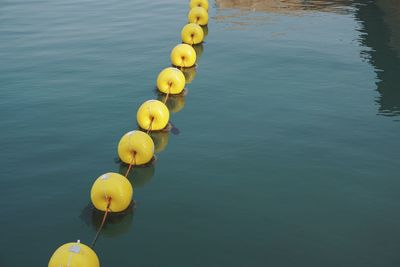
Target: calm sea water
[(288, 145)]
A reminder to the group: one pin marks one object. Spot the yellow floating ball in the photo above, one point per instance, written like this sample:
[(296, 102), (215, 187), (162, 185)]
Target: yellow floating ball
[(136, 147), (111, 187), (198, 15), (199, 3), (153, 115), (171, 81), (74, 255), (183, 55), (192, 34)]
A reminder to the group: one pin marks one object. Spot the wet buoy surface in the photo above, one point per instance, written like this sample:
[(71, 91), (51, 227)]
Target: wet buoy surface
[(183, 55), (199, 3), (192, 34), (136, 147), (113, 190), (171, 81), (153, 115), (74, 255), (198, 15)]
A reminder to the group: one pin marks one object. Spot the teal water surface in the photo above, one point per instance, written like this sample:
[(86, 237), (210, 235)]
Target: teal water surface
[(286, 147)]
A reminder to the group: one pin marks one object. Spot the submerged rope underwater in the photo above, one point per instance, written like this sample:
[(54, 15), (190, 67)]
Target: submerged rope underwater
[(102, 222)]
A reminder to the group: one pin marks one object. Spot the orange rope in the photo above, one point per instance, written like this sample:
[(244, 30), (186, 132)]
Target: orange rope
[(102, 222), (133, 162), (151, 123), (166, 98), (169, 89)]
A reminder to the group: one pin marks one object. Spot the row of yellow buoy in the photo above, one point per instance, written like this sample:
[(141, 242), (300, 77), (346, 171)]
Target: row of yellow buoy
[(112, 192)]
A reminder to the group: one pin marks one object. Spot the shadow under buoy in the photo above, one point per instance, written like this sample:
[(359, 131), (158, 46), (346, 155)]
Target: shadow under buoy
[(190, 74), (205, 30), (160, 140), (174, 103), (117, 223), (199, 48), (139, 175)]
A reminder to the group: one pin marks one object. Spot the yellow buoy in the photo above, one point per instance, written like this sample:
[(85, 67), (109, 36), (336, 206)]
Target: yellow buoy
[(183, 55), (136, 147), (153, 115), (198, 15), (171, 81), (192, 34), (111, 188), (74, 254), (199, 3)]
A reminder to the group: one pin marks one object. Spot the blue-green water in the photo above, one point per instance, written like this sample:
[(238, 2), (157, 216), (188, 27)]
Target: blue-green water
[(288, 146)]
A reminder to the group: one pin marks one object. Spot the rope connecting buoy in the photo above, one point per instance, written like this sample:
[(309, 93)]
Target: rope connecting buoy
[(136, 147), (138, 176), (199, 3), (117, 223), (174, 104), (153, 115), (183, 55), (198, 15), (192, 34), (74, 254), (171, 81), (111, 192)]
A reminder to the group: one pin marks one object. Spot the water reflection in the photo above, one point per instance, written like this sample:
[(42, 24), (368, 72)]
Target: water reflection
[(139, 176), (380, 21), (175, 103), (380, 28), (285, 6), (242, 12), (199, 51), (190, 74), (205, 30), (116, 223), (160, 140)]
